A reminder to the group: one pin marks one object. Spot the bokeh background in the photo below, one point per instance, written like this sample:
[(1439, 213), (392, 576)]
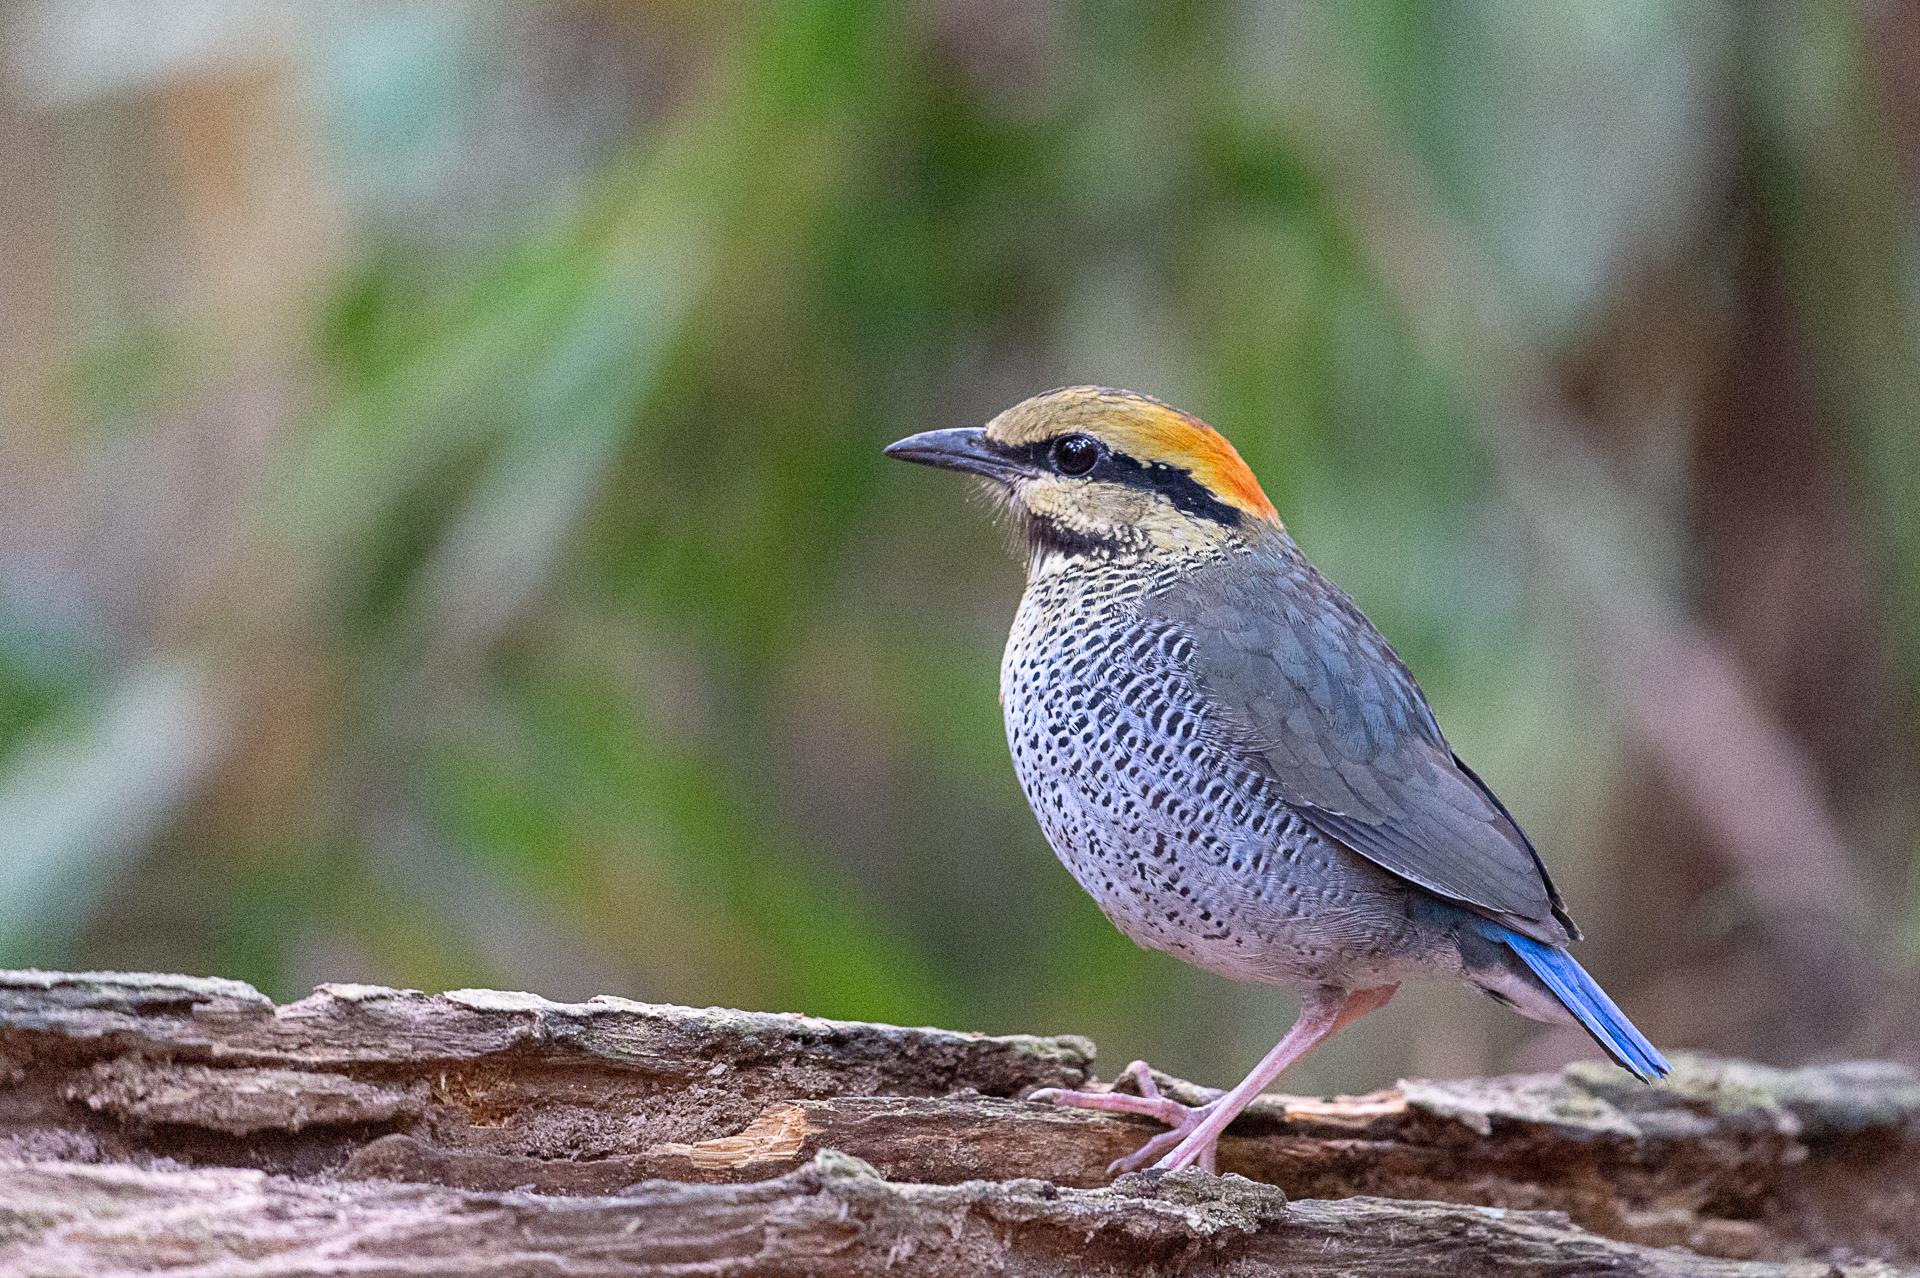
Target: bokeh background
[(444, 539)]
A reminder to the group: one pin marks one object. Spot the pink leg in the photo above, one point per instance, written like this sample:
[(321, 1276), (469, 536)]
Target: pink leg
[(1322, 1015), (1196, 1129)]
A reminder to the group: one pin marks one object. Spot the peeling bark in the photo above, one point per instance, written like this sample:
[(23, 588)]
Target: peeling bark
[(156, 1121)]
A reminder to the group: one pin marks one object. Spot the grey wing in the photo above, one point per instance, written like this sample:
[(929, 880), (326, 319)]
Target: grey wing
[(1307, 687)]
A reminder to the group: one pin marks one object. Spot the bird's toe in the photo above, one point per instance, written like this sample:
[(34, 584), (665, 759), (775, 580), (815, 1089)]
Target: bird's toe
[(1148, 1156), (1156, 1106)]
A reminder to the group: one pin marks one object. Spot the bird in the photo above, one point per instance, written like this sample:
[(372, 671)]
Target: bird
[(1230, 758)]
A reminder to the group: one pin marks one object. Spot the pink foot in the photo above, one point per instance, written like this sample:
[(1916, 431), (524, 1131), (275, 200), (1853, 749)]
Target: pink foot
[(1196, 1128), (1181, 1119)]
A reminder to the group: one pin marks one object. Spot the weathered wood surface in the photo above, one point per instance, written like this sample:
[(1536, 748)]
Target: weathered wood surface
[(159, 1123), (834, 1216)]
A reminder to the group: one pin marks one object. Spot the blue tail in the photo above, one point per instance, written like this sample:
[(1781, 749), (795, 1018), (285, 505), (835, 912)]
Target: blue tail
[(1582, 996)]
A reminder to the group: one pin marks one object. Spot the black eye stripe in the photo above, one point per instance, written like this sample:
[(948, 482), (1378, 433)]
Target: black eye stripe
[(1179, 487), (1175, 484)]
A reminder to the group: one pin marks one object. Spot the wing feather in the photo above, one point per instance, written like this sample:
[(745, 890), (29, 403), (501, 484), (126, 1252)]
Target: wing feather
[(1308, 688)]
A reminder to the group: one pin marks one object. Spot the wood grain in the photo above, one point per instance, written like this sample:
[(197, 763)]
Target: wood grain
[(149, 1122)]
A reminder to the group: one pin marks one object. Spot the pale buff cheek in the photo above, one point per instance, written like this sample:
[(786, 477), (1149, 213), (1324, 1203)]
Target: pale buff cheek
[(1102, 510), (1166, 529), (1114, 513)]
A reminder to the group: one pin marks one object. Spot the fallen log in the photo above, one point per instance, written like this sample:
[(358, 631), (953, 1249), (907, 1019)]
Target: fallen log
[(149, 1122)]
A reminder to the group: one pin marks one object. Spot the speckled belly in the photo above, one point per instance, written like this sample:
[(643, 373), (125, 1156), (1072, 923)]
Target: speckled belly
[(1186, 847)]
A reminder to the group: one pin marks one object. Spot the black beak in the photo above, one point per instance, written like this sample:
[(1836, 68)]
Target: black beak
[(963, 449)]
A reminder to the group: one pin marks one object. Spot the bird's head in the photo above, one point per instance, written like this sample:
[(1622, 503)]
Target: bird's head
[(1089, 471)]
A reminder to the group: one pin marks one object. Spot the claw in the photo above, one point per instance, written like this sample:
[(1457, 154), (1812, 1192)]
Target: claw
[(1161, 1151), (1142, 1075)]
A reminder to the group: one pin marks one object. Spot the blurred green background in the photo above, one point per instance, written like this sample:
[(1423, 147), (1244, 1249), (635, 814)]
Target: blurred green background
[(444, 539)]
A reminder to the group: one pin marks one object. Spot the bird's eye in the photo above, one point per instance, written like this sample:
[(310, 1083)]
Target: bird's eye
[(1075, 454)]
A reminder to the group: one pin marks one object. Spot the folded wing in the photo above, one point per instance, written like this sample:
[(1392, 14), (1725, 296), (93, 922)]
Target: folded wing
[(1308, 688)]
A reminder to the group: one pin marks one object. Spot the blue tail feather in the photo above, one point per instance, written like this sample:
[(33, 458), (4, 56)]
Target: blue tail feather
[(1582, 996)]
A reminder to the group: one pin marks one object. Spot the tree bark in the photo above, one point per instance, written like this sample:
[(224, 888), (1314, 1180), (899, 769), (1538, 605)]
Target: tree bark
[(172, 1124)]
